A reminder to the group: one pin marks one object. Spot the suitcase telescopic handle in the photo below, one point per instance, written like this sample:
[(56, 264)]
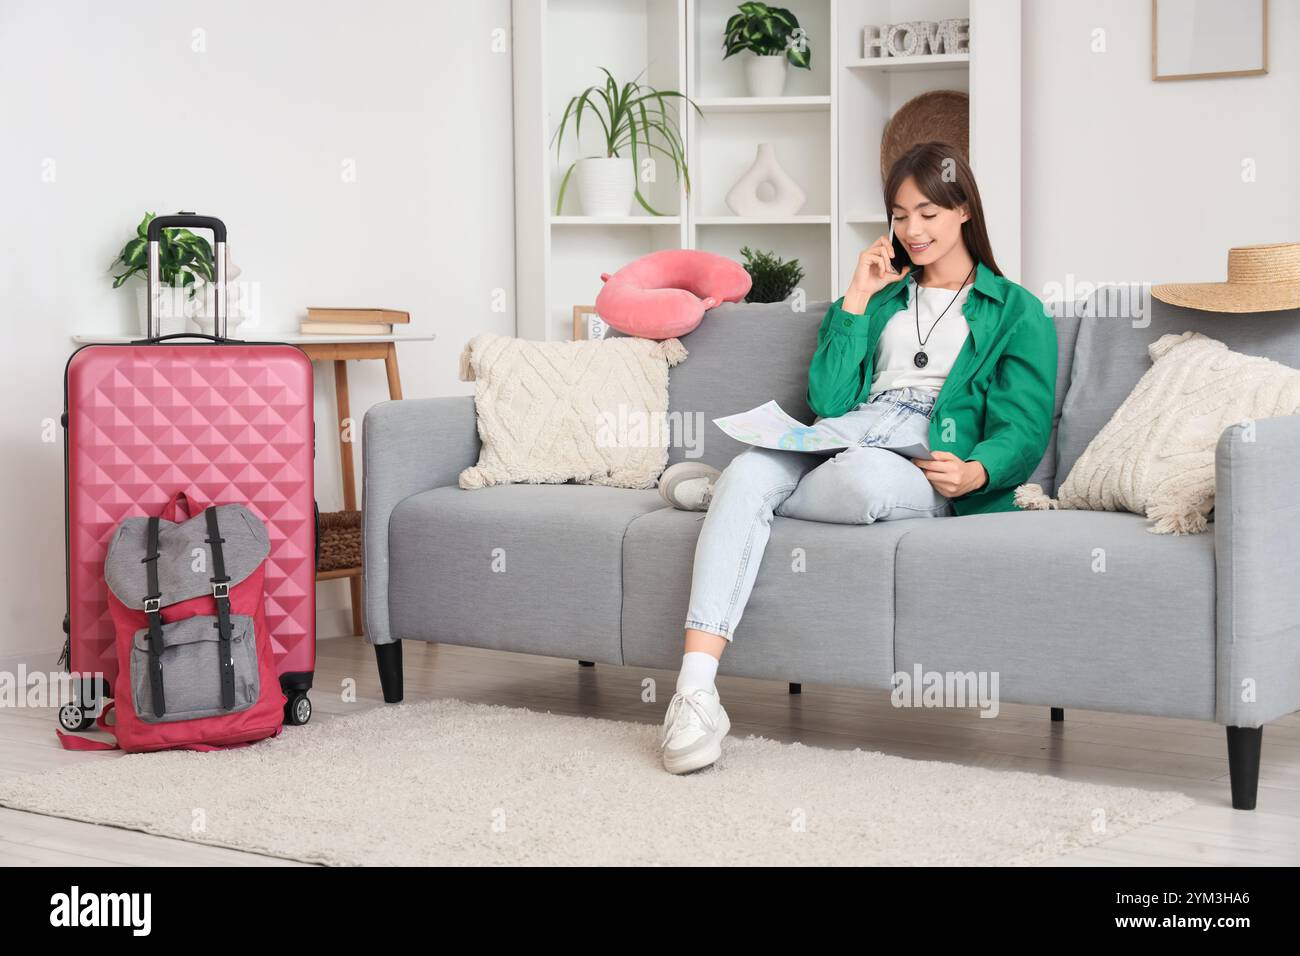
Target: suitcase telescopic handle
[(185, 220)]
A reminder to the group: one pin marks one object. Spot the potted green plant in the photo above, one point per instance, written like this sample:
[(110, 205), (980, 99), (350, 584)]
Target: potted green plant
[(183, 260), (772, 278), (634, 120), (774, 39)]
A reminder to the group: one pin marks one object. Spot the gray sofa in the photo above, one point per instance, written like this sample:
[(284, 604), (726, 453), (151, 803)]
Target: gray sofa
[(1202, 627)]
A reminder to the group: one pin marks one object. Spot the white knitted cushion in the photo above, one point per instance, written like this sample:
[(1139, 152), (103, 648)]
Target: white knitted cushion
[(590, 411), (1155, 456)]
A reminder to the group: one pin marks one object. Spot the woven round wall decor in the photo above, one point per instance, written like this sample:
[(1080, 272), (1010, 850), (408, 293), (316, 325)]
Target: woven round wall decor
[(942, 115)]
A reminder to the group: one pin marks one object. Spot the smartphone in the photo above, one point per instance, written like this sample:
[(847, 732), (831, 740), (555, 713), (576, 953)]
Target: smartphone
[(890, 261)]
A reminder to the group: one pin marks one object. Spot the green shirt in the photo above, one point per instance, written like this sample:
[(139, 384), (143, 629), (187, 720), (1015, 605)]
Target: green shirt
[(996, 404)]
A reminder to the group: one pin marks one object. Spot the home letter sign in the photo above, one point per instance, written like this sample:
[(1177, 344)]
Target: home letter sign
[(916, 38)]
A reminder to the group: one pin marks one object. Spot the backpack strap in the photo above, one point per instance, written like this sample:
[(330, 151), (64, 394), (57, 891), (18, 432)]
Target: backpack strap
[(153, 609), (221, 594)]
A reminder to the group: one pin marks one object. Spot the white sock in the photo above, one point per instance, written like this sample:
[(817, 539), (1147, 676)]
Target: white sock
[(698, 670)]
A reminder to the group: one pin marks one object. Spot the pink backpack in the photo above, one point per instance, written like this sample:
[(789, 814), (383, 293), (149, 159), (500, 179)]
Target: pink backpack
[(196, 669)]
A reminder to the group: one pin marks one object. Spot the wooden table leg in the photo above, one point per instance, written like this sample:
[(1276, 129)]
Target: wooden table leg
[(349, 474), (390, 366)]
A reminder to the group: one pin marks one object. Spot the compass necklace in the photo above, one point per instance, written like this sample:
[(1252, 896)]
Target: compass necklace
[(920, 359)]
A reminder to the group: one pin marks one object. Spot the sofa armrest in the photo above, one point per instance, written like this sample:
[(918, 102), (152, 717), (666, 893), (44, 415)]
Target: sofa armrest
[(1257, 561), (407, 447)]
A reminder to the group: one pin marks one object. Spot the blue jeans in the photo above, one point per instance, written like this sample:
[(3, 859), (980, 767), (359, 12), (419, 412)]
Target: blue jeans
[(859, 485)]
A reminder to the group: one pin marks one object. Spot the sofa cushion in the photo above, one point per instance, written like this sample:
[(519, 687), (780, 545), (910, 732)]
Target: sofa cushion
[(530, 568), (1066, 315), (834, 616), (741, 355), (772, 346), (1111, 355), (569, 411), (1155, 457), (1026, 594)]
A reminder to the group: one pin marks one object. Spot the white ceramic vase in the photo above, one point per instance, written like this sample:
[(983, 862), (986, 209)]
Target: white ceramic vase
[(204, 311), (785, 195), (766, 74), (606, 185), (172, 312)]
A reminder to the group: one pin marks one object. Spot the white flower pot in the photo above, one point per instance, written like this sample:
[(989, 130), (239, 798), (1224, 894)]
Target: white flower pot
[(174, 309), (606, 186), (766, 74)]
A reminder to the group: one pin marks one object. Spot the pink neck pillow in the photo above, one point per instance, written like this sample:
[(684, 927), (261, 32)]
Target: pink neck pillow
[(665, 294)]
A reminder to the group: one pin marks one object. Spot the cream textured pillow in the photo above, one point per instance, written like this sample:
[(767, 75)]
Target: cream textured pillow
[(591, 411), (1156, 454)]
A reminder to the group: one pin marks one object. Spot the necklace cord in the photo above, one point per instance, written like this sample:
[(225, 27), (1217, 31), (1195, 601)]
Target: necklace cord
[(917, 302)]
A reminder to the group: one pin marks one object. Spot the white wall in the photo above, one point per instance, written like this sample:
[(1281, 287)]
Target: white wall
[(1131, 180), (254, 130), (1125, 179)]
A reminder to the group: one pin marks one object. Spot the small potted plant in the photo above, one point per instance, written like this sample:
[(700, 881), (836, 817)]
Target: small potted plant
[(635, 122), (183, 259), (772, 278), (774, 39)]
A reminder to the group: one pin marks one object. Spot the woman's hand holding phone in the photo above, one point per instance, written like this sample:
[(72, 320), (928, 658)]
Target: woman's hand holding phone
[(872, 274)]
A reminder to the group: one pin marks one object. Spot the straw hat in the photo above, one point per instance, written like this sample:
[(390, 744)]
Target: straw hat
[(1260, 279)]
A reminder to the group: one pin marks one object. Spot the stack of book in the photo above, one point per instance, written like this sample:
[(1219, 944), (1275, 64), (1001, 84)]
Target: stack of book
[(353, 321)]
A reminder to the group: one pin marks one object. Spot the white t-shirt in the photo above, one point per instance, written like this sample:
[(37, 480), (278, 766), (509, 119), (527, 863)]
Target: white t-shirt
[(894, 366)]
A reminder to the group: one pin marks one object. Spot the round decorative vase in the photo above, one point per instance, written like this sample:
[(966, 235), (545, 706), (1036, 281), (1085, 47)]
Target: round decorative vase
[(204, 311), (172, 310), (766, 74), (765, 189), (606, 186)]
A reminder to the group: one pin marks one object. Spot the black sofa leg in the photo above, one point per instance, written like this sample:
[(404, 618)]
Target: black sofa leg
[(389, 658), (796, 688), (587, 663), (1058, 714), (1243, 765)]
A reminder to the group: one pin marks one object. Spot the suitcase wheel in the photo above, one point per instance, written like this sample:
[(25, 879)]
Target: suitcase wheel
[(72, 718), (298, 710)]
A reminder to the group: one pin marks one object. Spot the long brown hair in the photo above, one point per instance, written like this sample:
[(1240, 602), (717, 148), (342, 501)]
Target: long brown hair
[(926, 163)]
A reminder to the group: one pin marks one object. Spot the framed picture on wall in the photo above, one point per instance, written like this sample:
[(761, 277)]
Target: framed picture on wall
[(1198, 39), (587, 324)]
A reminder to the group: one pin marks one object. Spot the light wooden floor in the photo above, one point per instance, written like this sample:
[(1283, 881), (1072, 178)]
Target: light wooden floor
[(1096, 747)]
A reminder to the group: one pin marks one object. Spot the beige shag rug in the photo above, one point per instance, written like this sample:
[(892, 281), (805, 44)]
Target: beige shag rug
[(449, 782)]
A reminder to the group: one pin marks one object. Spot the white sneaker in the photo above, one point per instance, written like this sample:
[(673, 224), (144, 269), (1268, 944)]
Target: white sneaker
[(693, 730), (688, 485)]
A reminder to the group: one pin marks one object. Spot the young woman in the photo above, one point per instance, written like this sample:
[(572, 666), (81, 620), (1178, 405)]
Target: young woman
[(946, 322)]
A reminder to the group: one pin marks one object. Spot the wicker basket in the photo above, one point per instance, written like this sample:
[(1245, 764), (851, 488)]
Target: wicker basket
[(340, 540)]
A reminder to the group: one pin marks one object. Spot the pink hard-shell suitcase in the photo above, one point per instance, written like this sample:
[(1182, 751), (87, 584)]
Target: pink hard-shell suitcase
[(221, 420)]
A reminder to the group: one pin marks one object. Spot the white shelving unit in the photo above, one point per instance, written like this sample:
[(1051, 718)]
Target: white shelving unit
[(558, 48), (723, 143), (615, 220), (825, 131), (760, 220), (763, 104), (925, 63)]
